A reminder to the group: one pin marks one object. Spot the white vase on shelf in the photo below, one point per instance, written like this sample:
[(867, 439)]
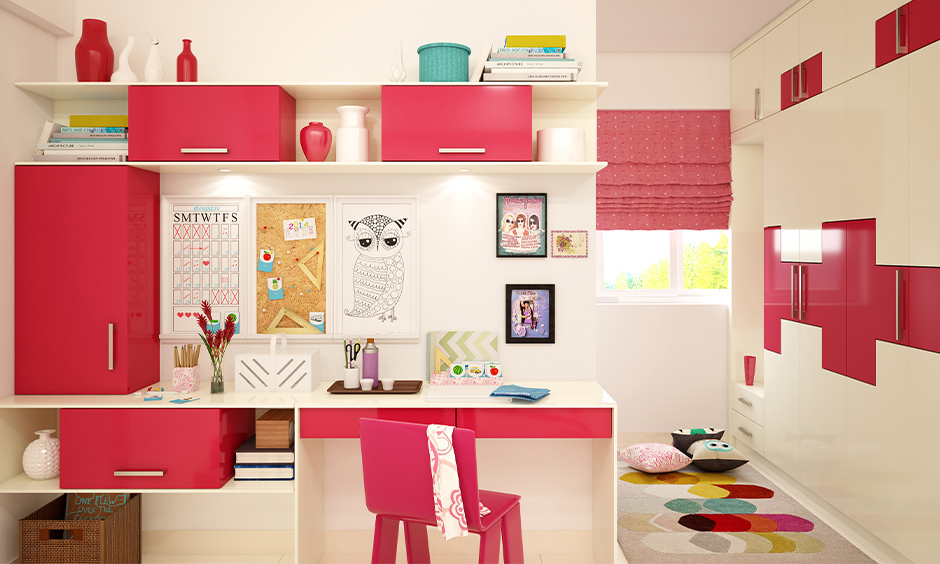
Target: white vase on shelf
[(41, 457), (153, 70), (124, 72), (397, 72), (352, 137)]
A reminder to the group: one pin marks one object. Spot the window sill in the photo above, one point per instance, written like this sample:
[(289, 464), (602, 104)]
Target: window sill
[(711, 299)]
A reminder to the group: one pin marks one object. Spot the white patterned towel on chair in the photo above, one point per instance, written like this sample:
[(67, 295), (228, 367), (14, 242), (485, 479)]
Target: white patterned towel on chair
[(448, 502)]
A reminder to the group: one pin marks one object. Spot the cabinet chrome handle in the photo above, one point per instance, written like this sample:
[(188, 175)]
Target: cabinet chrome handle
[(138, 473), (900, 47), (757, 107), (899, 304), (448, 150), (203, 150), (745, 402), (802, 295), (745, 431), (794, 85), (110, 346), (793, 310), (804, 83)]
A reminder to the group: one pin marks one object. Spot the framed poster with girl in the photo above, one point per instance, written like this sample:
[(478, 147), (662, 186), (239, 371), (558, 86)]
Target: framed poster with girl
[(522, 224), (530, 313)]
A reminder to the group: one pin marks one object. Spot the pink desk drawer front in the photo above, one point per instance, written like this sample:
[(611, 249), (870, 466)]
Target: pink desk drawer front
[(456, 123), (537, 423), (211, 123), (343, 423), (155, 448)]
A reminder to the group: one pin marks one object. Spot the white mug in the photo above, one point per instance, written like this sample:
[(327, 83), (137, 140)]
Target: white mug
[(366, 384)]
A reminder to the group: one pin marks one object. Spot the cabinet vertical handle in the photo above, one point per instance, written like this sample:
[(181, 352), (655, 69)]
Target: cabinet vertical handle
[(746, 432), (802, 305), (757, 108), (793, 292), (804, 82), (900, 46), (110, 346), (794, 85), (899, 304)]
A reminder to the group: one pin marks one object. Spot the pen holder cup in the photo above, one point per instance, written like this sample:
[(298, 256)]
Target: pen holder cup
[(351, 377), (186, 380)]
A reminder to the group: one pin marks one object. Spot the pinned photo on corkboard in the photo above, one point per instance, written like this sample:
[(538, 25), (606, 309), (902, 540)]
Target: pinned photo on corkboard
[(291, 277), (521, 225), (530, 313)]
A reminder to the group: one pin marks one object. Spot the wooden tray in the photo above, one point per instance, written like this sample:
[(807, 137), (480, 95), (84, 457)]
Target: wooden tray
[(401, 387)]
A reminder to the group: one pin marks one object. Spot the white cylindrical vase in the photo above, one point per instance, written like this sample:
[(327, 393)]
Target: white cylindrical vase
[(560, 144), (41, 457), (352, 137)]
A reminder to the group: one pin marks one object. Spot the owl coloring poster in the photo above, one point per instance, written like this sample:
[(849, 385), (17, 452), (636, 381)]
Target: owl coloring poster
[(379, 270)]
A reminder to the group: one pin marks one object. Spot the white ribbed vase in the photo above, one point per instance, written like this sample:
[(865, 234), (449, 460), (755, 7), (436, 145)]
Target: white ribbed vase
[(352, 137), (41, 457)]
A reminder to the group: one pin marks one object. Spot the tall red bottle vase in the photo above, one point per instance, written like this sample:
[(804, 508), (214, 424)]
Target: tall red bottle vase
[(186, 64), (94, 57), (315, 141)]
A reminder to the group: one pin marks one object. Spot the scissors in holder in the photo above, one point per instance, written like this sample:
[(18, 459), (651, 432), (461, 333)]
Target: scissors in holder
[(352, 350)]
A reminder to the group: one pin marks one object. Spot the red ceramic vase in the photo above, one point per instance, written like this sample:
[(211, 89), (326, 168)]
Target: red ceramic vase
[(315, 140), (186, 64), (94, 57)]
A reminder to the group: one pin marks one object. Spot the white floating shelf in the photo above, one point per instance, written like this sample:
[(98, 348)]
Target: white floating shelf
[(21, 483)]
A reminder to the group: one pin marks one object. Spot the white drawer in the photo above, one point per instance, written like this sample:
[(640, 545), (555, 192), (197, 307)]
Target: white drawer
[(746, 431), (748, 401)]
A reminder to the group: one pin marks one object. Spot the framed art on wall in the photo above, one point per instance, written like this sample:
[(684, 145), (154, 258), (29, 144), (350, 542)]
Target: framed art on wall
[(522, 224), (377, 240), (530, 313), (569, 244)]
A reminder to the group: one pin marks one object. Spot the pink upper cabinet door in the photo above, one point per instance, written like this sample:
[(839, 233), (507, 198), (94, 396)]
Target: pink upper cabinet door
[(891, 35), (211, 123), (924, 23), (457, 123)]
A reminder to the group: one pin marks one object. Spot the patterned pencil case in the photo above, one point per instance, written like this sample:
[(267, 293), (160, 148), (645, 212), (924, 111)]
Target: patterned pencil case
[(520, 392)]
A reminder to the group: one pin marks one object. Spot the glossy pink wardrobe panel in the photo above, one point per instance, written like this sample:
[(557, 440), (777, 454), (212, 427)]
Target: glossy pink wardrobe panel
[(211, 123), (777, 288), (456, 123), (87, 279), (185, 447), (824, 296)]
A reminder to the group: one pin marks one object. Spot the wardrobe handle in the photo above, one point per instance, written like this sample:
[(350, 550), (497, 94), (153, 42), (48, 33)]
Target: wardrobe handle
[(757, 108), (802, 296), (448, 150), (745, 402), (745, 431), (804, 86), (794, 85), (900, 47), (794, 314), (138, 473), (899, 304), (203, 150), (110, 346)]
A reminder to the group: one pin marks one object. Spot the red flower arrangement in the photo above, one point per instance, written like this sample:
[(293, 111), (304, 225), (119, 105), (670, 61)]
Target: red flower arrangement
[(216, 342)]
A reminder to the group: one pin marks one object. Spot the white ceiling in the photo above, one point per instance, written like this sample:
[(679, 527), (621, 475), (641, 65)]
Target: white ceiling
[(682, 25)]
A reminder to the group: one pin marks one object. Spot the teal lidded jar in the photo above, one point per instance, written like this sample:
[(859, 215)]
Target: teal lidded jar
[(444, 62)]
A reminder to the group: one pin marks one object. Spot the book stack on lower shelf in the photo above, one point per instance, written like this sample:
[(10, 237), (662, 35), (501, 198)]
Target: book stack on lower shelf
[(531, 58), (87, 138), (263, 464)]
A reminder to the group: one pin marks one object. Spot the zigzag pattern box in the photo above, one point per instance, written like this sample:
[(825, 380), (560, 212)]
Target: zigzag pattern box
[(447, 349)]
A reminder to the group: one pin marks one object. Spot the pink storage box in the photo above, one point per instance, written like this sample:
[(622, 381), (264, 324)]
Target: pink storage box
[(186, 380)]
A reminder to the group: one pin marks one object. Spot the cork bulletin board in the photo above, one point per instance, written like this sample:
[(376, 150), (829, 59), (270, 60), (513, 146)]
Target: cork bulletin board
[(291, 267)]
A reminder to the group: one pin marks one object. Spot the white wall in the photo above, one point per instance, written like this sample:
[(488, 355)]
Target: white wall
[(29, 54), (304, 41), (665, 81)]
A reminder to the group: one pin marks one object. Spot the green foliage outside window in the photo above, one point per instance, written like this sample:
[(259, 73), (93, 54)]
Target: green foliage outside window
[(705, 267)]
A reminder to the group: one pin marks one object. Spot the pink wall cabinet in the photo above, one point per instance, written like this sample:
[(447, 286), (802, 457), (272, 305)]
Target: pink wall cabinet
[(456, 123), (802, 82), (153, 448), (923, 23), (906, 29), (87, 290), (211, 123)]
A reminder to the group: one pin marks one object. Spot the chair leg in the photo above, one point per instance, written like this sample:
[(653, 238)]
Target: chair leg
[(511, 527), (385, 540), (489, 545), (416, 543)]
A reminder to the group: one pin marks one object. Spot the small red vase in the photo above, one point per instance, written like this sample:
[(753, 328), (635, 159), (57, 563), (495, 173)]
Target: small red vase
[(316, 140), (94, 57), (186, 64)]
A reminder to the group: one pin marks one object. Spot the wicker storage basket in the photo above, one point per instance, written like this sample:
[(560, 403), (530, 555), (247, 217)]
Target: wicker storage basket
[(443, 62), (114, 539)]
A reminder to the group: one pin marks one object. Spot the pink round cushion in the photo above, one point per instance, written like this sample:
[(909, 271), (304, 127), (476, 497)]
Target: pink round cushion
[(654, 458)]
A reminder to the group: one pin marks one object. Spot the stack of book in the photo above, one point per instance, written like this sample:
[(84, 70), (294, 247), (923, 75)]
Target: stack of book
[(263, 464), (531, 58), (86, 138)]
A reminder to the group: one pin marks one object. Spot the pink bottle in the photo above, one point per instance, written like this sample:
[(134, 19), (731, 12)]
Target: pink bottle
[(186, 64)]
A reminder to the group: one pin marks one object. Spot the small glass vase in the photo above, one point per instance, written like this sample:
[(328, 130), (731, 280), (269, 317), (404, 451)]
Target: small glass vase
[(218, 384)]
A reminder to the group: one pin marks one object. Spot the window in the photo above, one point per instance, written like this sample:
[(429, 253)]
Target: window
[(639, 264)]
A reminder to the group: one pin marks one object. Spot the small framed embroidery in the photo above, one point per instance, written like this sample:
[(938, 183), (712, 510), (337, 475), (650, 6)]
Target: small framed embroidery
[(569, 244), (521, 225), (530, 313)]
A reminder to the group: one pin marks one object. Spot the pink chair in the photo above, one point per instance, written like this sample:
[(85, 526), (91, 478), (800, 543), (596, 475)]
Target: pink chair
[(397, 477)]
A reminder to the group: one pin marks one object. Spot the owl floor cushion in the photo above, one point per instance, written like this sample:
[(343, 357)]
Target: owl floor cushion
[(682, 439), (654, 458), (712, 455)]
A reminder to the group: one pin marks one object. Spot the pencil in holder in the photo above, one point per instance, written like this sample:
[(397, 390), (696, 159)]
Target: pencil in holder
[(186, 380)]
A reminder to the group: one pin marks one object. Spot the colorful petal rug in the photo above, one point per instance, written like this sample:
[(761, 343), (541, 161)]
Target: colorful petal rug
[(735, 517)]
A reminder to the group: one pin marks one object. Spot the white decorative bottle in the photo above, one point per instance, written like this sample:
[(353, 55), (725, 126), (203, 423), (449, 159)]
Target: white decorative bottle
[(352, 137), (41, 457), (153, 70), (397, 72), (124, 72)]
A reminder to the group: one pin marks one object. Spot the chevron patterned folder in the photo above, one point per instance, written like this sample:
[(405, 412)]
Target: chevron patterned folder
[(448, 347)]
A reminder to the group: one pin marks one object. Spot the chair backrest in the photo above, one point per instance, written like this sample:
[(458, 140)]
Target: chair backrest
[(396, 470)]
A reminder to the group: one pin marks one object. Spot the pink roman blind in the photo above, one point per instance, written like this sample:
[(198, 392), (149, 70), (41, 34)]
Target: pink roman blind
[(667, 169)]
